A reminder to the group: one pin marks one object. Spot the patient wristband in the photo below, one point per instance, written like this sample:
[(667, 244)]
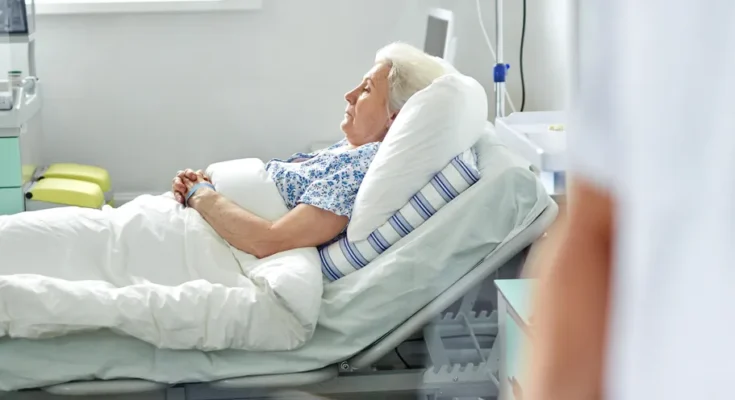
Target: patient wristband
[(197, 187)]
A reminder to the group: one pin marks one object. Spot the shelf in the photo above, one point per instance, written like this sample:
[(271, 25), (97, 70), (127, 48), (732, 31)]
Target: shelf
[(14, 119), (13, 39), (528, 134), (143, 6)]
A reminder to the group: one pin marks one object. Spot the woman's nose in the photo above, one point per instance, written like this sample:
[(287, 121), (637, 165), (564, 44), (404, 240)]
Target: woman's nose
[(350, 96)]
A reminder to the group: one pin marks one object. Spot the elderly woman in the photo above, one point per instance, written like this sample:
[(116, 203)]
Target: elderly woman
[(159, 273), (320, 188)]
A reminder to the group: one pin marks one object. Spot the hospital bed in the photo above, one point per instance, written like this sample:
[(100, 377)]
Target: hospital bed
[(446, 329)]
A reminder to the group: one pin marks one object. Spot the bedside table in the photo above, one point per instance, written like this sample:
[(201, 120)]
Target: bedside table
[(514, 332), (11, 176)]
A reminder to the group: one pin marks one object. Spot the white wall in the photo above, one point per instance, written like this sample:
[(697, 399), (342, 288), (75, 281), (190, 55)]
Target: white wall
[(146, 95), (545, 54), (132, 92)]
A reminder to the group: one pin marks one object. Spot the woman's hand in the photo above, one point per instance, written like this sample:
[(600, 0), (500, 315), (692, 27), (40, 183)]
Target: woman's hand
[(198, 177), (179, 187)]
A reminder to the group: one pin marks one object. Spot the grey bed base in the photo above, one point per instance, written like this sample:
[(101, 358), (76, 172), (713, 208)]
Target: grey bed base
[(448, 338)]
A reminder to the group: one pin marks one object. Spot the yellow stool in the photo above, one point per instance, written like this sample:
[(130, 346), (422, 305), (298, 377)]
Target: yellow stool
[(28, 172), (60, 192), (86, 173)]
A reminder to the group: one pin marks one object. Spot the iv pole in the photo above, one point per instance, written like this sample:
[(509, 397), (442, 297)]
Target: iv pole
[(501, 69)]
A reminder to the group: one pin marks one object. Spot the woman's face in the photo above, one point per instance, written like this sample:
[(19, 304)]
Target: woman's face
[(367, 118)]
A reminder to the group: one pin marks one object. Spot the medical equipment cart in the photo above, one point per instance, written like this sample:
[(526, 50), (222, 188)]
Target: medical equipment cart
[(25, 185), (540, 137), (18, 153)]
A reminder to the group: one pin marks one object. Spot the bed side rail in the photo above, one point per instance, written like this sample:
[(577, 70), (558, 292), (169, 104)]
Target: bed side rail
[(501, 255)]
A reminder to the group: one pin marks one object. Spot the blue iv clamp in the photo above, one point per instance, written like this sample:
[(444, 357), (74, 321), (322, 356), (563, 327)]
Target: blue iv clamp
[(500, 71)]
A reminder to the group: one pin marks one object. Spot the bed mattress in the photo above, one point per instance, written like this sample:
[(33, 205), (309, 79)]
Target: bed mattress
[(353, 315)]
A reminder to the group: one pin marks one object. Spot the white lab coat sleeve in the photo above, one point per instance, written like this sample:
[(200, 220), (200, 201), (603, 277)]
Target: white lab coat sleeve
[(591, 126)]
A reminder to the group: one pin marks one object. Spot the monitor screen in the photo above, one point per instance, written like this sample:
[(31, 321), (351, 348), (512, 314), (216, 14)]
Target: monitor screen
[(436, 36), (13, 17)]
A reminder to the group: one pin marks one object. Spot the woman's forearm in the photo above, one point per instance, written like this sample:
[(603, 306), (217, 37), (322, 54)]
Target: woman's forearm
[(242, 229), (571, 324), (570, 317)]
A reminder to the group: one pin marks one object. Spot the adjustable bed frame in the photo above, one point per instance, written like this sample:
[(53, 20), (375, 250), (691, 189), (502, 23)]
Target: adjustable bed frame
[(450, 341)]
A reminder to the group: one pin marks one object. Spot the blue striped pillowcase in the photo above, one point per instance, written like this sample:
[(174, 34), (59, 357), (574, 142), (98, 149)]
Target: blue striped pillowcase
[(344, 257)]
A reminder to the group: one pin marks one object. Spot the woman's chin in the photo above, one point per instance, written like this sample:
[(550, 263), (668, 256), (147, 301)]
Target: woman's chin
[(345, 126)]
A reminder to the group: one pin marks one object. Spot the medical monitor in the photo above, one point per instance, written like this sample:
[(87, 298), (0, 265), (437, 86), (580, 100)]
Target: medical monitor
[(439, 40), (13, 17)]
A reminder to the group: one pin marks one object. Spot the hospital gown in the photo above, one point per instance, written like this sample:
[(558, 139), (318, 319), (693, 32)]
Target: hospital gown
[(327, 179)]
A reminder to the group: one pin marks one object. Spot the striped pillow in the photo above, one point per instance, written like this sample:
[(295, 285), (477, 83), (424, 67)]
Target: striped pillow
[(343, 256)]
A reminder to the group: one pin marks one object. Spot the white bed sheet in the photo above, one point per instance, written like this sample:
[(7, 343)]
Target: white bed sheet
[(353, 314)]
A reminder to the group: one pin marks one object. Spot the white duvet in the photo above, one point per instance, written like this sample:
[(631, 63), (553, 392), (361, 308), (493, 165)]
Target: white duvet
[(157, 271)]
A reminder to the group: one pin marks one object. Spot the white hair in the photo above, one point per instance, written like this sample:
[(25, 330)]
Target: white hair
[(411, 70)]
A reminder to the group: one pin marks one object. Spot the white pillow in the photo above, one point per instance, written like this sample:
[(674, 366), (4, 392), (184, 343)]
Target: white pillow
[(434, 126), (346, 255), (248, 184)]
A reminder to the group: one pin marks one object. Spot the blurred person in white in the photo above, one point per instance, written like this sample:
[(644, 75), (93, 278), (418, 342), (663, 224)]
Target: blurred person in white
[(638, 300)]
